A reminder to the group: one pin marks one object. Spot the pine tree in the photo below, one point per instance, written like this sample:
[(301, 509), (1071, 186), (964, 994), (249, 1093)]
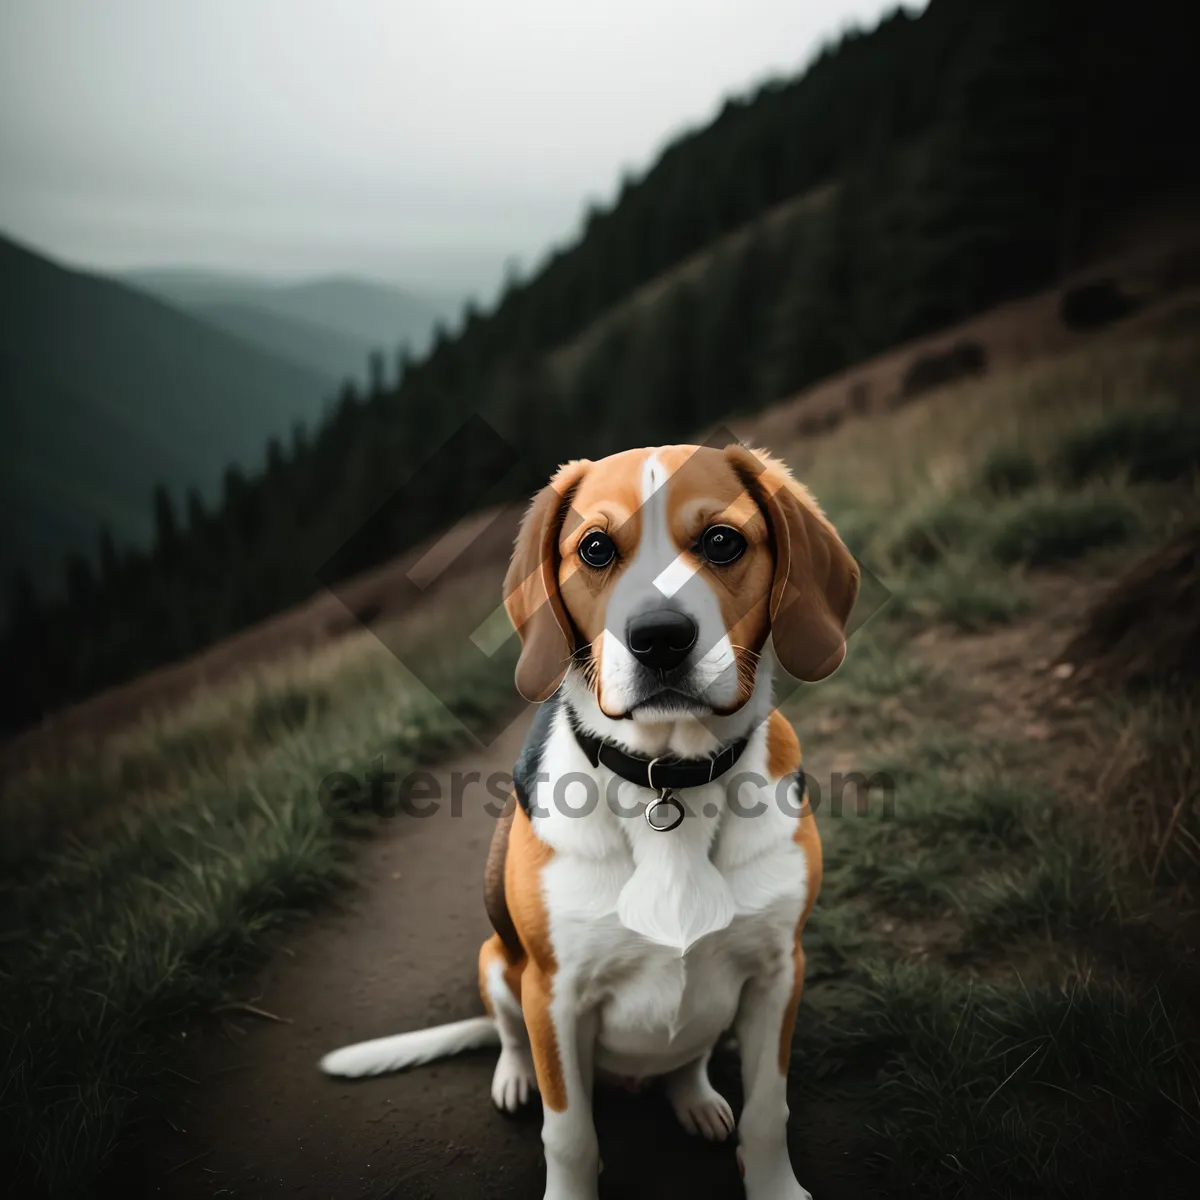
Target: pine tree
[(807, 335), (109, 563), (196, 517), (404, 365), (994, 194), (24, 609), (166, 527), (377, 383), (81, 581)]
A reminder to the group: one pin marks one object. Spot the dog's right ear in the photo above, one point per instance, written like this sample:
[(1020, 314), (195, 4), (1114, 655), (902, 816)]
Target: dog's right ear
[(531, 595), (816, 577)]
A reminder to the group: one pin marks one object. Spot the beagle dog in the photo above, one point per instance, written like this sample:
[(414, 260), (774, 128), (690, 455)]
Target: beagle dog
[(650, 878)]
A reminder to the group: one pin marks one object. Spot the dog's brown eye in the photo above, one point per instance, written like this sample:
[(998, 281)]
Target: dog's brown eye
[(597, 549), (722, 545)]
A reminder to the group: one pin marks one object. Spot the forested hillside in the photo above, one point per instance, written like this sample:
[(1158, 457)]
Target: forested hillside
[(948, 162)]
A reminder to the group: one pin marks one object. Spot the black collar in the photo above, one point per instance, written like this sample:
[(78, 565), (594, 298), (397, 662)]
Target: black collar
[(664, 772)]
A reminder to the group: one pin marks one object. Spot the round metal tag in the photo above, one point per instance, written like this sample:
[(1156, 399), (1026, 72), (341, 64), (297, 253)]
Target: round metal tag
[(664, 822)]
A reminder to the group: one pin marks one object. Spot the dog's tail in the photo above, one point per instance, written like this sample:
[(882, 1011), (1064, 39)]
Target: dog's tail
[(411, 1049)]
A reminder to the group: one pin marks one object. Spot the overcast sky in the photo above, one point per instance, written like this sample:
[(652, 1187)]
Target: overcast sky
[(424, 142)]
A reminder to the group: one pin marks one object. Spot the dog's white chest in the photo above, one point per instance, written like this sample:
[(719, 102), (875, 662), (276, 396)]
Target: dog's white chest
[(660, 1006), (664, 1010)]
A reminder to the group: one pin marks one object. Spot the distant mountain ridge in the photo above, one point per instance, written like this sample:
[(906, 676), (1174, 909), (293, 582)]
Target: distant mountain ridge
[(109, 392), (337, 320), (305, 343)]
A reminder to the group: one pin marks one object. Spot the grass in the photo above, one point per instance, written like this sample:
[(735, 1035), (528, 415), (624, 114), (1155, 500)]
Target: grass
[(985, 482), (870, 690), (1153, 750), (1161, 445), (998, 963), (971, 596), (1008, 471), (1078, 1086), (1038, 529), (951, 811), (930, 534), (1002, 974), (214, 831), (1041, 531)]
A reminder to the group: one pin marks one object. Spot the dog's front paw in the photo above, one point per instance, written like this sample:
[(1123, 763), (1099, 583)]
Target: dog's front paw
[(514, 1083), (701, 1109), (769, 1179)]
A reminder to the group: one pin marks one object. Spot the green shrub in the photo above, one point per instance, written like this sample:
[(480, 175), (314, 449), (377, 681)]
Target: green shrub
[(976, 608), (1008, 470), (1057, 529), (1149, 445), (968, 596), (945, 527)]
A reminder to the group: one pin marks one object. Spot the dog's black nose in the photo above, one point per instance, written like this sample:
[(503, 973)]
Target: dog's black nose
[(661, 639)]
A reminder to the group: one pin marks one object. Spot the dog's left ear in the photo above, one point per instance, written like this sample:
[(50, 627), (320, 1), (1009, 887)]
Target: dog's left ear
[(531, 595), (816, 577)]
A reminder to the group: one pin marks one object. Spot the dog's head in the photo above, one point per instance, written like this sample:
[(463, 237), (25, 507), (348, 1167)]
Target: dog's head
[(662, 572)]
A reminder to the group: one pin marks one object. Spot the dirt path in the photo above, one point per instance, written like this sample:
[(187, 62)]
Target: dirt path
[(398, 953)]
